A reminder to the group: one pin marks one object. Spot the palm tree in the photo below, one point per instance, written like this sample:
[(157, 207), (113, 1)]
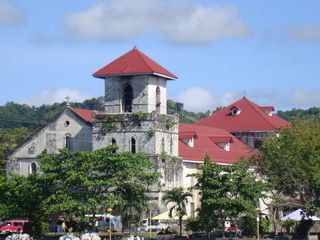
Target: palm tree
[(179, 198), (133, 205)]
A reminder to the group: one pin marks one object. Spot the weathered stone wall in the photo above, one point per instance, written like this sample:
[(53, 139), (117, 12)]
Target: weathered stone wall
[(51, 138), (144, 93), (154, 133)]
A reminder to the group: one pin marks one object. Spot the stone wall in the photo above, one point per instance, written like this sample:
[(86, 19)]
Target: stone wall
[(153, 133)]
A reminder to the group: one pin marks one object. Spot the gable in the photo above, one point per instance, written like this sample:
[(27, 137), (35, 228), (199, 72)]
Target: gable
[(244, 115), (52, 135)]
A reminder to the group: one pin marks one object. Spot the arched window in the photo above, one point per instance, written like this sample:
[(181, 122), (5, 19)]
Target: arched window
[(114, 142), (133, 145), (68, 142), (158, 99), (162, 145), (33, 168), (127, 98)]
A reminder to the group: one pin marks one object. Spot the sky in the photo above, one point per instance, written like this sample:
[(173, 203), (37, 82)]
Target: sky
[(268, 51)]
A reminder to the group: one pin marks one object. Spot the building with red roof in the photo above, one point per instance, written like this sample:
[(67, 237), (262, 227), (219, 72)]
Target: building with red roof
[(245, 120), (136, 120), (222, 146), (132, 63), (135, 83)]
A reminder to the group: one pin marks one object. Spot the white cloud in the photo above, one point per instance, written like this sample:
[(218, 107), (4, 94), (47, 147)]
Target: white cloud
[(180, 21), (300, 97), (11, 15), (198, 99), (305, 33), (56, 96)]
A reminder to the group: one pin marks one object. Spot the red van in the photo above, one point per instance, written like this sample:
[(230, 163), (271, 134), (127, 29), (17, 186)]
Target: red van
[(9, 226)]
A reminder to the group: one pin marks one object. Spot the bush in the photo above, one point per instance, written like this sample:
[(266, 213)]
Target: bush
[(248, 225), (35, 228)]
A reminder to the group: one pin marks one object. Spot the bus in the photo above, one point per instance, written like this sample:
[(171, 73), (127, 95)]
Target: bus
[(103, 223)]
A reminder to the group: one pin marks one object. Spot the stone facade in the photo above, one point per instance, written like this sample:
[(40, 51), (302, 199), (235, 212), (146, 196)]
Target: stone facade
[(136, 120), (149, 93), (150, 133), (66, 130)]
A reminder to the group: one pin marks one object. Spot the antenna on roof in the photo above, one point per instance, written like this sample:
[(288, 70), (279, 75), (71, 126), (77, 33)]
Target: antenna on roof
[(244, 93)]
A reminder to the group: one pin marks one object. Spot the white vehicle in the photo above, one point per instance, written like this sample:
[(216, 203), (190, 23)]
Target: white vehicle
[(156, 225)]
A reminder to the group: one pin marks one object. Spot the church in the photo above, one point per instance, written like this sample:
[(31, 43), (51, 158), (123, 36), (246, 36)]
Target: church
[(136, 119)]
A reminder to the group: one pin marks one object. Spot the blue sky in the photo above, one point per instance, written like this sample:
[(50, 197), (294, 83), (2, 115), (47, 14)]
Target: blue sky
[(268, 51)]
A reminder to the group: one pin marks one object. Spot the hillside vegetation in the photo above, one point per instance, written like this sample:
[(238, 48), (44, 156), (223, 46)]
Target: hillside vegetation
[(18, 121)]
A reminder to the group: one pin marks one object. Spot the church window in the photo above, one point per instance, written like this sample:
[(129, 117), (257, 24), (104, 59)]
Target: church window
[(127, 98), (67, 123), (162, 145), (114, 142), (158, 99), (33, 168), (192, 210), (68, 142), (133, 145)]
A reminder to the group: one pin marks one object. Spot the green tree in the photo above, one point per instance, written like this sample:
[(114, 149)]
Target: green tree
[(9, 139), (290, 160), (22, 197), (83, 182), (179, 198), (226, 191), (133, 205)]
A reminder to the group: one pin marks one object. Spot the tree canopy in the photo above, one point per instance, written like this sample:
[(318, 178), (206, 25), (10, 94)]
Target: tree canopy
[(23, 197), (179, 198), (86, 181), (290, 160), (226, 191), (73, 184)]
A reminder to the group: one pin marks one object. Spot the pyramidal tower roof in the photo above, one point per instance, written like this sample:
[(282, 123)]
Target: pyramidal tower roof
[(133, 62)]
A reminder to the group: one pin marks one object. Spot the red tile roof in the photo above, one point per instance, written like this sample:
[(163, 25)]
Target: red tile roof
[(133, 62), (205, 142), (84, 113), (251, 118)]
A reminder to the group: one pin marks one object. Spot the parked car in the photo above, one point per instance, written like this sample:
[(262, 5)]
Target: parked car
[(230, 227), (10, 226), (156, 225)]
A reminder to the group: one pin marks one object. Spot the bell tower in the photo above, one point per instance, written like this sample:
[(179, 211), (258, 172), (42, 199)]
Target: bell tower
[(135, 115), (135, 83)]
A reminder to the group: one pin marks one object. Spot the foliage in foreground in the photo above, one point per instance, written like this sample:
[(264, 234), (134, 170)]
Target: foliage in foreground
[(86, 181), (291, 161), (179, 198), (73, 184), (227, 191), (22, 197)]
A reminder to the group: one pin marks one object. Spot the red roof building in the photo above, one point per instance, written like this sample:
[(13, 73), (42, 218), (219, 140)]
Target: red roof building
[(84, 113), (246, 120), (131, 63), (222, 146)]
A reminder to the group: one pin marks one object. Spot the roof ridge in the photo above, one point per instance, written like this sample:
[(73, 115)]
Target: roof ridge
[(261, 113), (142, 57), (37, 132)]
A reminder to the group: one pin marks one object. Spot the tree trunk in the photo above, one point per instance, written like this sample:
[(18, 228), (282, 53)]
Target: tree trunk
[(180, 223)]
